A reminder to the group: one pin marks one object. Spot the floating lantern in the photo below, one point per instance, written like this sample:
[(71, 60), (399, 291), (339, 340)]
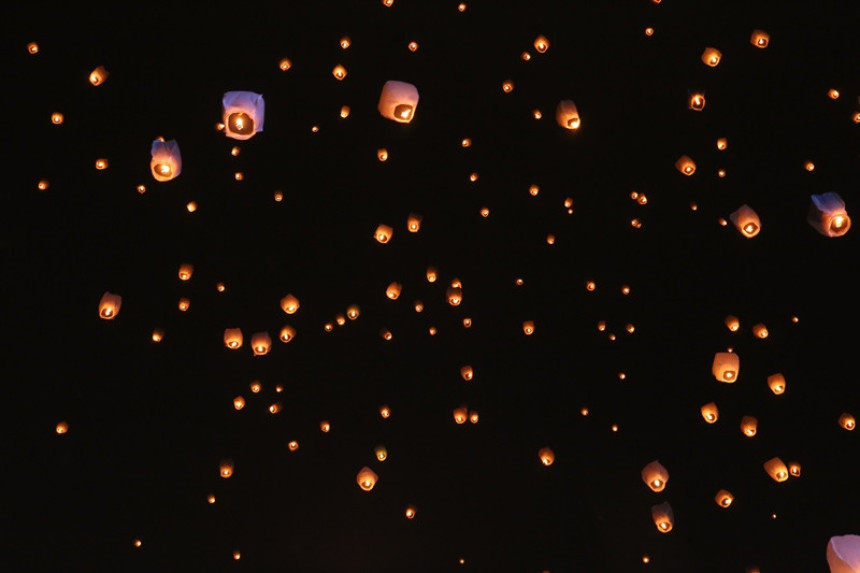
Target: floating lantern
[(261, 343), (233, 338), (385, 411), (547, 456), (663, 517), (285, 64), (32, 48), (567, 115), (508, 87), (366, 478), (843, 554), (696, 101), (413, 222), (157, 335), (412, 46), (339, 72), (760, 39), (398, 101), (386, 334), (393, 290), (760, 330), (325, 426), (685, 165), (184, 304), (749, 426), (528, 327), (722, 143), (57, 118), (98, 76), (461, 415), (226, 468), (724, 498), (776, 469), (345, 42), (381, 453), (185, 271), (292, 445), (62, 428), (352, 312), (847, 421), (726, 367), (467, 373), (454, 294), (383, 233), (746, 221), (410, 512), (732, 323), (473, 416), (794, 469), (290, 304), (827, 215), (238, 402), (710, 412), (655, 476), (275, 408), (776, 383), (109, 305), (711, 57), (541, 44), (166, 162), (382, 154), (243, 114), (287, 334), (431, 274), (256, 386)]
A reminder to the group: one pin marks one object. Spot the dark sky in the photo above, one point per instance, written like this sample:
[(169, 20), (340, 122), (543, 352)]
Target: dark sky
[(148, 423)]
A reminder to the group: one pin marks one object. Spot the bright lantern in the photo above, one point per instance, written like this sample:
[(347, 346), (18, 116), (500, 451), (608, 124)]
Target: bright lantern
[(243, 114), (109, 306), (185, 271), (655, 476), (827, 215), (776, 383), (663, 517), (393, 290), (290, 304), (546, 455), (287, 334), (261, 343), (398, 101), (166, 162), (847, 422), (567, 116), (746, 221), (233, 338), (760, 39), (711, 57), (366, 478), (461, 415), (226, 469), (726, 367), (776, 469), (98, 76), (685, 165), (383, 233), (724, 498), (749, 426), (467, 373), (710, 412)]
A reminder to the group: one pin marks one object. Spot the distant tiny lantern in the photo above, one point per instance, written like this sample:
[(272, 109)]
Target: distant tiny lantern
[(382, 154), (285, 64), (43, 184), (210, 498), (166, 160), (325, 426), (410, 512), (710, 412), (685, 165), (275, 408), (467, 322), (366, 478), (255, 386), (413, 222), (726, 367), (525, 56), (431, 274), (345, 42), (454, 295), (339, 72), (746, 221), (776, 469), (590, 286), (847, 421), (383, 233), (385, 411), (101, 164), (749, 426), (290, 304), (157, 335), (663, 517), (649, 31), (711, 56), (237, 555), (109, 305), (226, 468), (794, 469), (461, 415), (398, 101), (776, 383), (546, 455), (386, 334), (507, 86), (412, 46), (393, 290), (696, 101), (287, 334), (238, 402), (381, 453), (827, 215), (541, 44), (473, 417), (32, 48), (344, 112), (138, 542), (732, 323), (655, 476), (57, 118), (567, 115), (722, 143), (528, 327), (724, 498), (760, 330), (98, 76), (62, 428), (243, 114), (261, 343), (185, 271), (760, 39), (184, 304), (292, 445), (467, 373), (233, 338)]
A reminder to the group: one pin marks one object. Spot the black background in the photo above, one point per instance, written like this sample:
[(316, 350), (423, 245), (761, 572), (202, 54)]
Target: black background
[(149, 423)]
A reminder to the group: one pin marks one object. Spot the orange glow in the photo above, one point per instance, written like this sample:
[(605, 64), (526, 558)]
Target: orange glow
[(385, 411), (760, 39), (62, 428), (366, 478), (57, 118), (383, 233), (238, 402), (325, 426), (461, 415), (339, 72), (547, 456), (285, 64), (290, 304), (711, 57), (233, 338), (541, 44), (710, 412), (507, 86), (226, 468), (98, 76)]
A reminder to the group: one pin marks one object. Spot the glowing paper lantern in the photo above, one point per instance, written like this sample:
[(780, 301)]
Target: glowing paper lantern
[(724, 498), (528, 327), (696, 101), (243, 114), (726, 367), (746, 221), (547, 456), (760, 39), (567, 116), (663, 516), (233, 338), (760, 330), (366, 479), (398, 101), (287, 334), (238, 402), (290, 304), (461, 415), (62, 428), (776, 383), (655, 476), (261, 343), (843, 554), (847, 422), (711, 57), (98, 76), (749, 426), (732, 323), (166, 162), (381, 453), (541, 44), (467, 373), (226, 468), (393, 290), (827, 215), (454, 294), (685, 165), (776, 469), (185, 271), (413, 222), (109, 305), (710, 412), (383, 233)]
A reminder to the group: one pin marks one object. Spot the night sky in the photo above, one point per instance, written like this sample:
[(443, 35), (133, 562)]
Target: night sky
[(550, 211)]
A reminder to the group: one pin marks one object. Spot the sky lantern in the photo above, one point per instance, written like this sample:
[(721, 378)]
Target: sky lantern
[(381, 453), (57, 118), (109, 305), (722, 143), (339, 72), (184, 304), (685, 165), (776, 383), (432, 274), (366, 478), (393, 290), (711, 56), (383, 233), (238, 403), (292, 445), (655, 476), (759, 330), (724, 498), (261, 343), (233, 338), (398, 101), (760, 39), (746, 221), (62, 428), (732, 323), (528, 327), (726, 367), (385, 411), (541, 44), (243, 114), (410, 512), (166, 162), (287, 333), (794, 469), (325, 426), (546, 455), (467, 373), (461, 415), (454, 294), (285, 64), (290, 304), (567, 115), (157, 335), (749, 426), (710, 412), (352, 312), (98, 76), (827, 215), (843, 554), (663, 516), (776, 469), (32, 48), (185, 271), (696, 101), (474, 417), (413, 222), (255, 386), (226, 468), (847, 421)]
